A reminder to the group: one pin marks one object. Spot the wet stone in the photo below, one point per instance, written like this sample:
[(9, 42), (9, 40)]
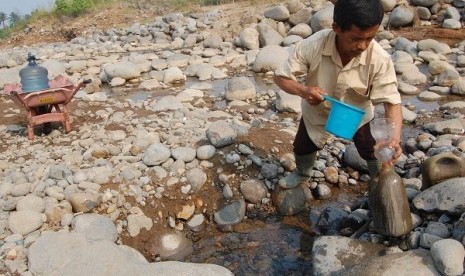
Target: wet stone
[(332, 219)]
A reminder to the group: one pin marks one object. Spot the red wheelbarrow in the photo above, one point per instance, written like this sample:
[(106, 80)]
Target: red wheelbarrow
[(46, 106)]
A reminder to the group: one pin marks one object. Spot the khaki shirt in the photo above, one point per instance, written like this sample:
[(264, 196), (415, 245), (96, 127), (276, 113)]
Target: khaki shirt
[(367, 80)]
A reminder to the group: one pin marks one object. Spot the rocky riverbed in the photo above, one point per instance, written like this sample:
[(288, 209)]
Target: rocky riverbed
[(179, 141)]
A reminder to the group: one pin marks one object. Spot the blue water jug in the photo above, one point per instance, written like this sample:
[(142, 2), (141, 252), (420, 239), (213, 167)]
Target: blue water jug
[(33, 77)]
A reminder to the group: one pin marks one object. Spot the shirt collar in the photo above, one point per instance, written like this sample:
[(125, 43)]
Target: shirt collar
[(330, 50)]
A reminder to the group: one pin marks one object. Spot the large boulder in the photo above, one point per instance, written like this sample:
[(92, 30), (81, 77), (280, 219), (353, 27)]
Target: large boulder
[(441, 167), (72, 254), (270, 58)]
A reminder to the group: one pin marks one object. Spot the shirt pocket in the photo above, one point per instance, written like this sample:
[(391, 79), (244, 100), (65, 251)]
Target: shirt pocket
[(358, 96)]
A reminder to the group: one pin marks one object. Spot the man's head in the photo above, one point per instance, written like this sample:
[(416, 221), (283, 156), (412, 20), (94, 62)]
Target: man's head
[(360, 13), (356, 23)]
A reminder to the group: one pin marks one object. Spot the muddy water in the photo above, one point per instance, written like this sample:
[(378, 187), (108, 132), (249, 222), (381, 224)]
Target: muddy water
[(269, 245)]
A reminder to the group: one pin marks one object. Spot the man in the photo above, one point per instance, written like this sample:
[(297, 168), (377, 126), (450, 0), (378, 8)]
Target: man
[(347, 64)]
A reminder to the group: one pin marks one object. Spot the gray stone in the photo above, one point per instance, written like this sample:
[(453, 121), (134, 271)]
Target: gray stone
[(424, 3), (441, 90), (451, 24), (167, 103), (221, 134), (388, 5), (331, 254), (156, 154), (289, 201), (458, 232), (125, 69), (268, 36), (278, 13), (269, 171), (414, 76), (408, 116), (438, 229), (408, 89), (185, 154), (427, 240), (286, 102), (196, 178), (205, 152), (436, 67), (322, 19), (423, 13), (173, 75), (429, 56), (240, 88), (270, 58), (452, 13), (253, 190), (438, 127), (448, 256), (434, 46), (447, 196), (95, 227), (24, 222), (302, 16), (401, 56), (401, 16), (71, 254), (353, 159), (303, 30), (249, 38), (136, 222), (31, 202), (459, 87), (331, 218), (414, 262), (231, 213), (448, 78), (429, 96), (84, 202)]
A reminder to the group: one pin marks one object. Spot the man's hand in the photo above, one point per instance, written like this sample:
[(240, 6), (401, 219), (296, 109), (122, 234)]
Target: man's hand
[(313, 94), (394, 145)]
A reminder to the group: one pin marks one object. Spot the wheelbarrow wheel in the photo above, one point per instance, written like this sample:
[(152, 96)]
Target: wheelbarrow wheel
[(46, 127)]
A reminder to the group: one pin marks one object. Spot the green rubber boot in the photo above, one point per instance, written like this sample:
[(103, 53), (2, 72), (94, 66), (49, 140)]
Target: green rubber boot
[(302, 173), (374, 166)]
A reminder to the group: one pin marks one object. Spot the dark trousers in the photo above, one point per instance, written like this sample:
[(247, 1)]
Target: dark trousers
[(363, 141)]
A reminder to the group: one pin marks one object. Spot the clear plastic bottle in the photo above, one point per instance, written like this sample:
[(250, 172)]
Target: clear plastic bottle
[(384, 154)]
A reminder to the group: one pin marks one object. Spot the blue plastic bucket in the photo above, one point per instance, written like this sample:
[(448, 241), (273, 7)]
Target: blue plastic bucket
[(343, 119)]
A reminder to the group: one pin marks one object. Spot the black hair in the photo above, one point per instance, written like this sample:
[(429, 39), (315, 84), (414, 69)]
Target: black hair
[(363, 14)]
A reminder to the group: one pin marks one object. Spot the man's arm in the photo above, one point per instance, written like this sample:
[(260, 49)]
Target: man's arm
[(394, 112), (312, 94)]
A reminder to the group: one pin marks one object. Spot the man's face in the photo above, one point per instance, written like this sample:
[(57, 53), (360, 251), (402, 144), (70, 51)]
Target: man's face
[(354, 41)]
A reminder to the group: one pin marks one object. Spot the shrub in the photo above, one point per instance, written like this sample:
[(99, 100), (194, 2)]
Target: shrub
[(5, 33), (62, 7), (80, 6), (72, 7)]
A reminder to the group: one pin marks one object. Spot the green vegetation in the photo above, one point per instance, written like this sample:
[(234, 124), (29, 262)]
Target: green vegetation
[(73, 7), (16, 23)]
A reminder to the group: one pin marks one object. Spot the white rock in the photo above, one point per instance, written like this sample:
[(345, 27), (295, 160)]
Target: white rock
[(448, 256)]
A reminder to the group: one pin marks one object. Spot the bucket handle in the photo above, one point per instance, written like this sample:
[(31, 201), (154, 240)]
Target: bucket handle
[(328, 98)]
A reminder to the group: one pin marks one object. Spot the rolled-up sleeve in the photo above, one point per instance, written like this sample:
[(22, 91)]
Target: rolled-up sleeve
[(384, 85), (296, 63)]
